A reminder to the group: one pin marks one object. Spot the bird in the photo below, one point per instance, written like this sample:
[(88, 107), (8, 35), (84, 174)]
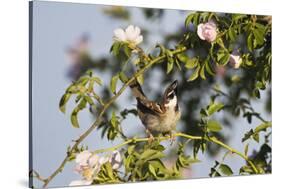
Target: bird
[(158, 117)]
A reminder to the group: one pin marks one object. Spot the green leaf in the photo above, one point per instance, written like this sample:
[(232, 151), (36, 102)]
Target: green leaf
[(256, 137), (97, 80), (89, 100), (224, 59), (152, 170), (195, 74), (246, 149), (74, 119), (262, 127), (214, 126), (250, 39), (202, 72), (64, 99), (232, 34), (247, 135), (188, 19), (209, 68), (225, 169), (140, 79), (113, 83), (170, 65), (191, 63), (113, 120), (123, 77), (186, 161), (214, 107), (127, 50), (259, 37), (151, 154), (115, 48)]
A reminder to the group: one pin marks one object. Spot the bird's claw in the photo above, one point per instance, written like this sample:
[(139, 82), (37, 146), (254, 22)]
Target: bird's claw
[(172, 138), (150, 136)]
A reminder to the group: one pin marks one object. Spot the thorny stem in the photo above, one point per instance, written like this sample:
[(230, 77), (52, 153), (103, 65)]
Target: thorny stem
[(103, 110)]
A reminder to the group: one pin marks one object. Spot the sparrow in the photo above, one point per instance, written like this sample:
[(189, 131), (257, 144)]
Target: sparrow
[(158, 117)]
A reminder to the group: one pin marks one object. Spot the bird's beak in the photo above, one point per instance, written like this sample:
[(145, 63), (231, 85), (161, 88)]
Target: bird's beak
[(174, 85)]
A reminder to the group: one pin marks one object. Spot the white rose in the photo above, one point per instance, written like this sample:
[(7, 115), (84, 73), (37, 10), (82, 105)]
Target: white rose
[(207, 31), (83, 157), (80, 183), (103, 160), (235, 61), (93, 160), (132, 35)]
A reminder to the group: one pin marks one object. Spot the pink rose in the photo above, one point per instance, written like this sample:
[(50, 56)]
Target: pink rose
[(235, 61), (207, 31)]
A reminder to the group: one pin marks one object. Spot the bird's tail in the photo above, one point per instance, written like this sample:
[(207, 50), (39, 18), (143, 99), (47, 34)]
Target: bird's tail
[(137, 90)]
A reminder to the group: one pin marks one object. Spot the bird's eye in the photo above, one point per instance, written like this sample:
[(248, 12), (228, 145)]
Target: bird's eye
[(171, 96)]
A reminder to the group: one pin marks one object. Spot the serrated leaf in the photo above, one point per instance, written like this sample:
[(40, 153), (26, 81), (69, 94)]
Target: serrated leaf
[(224, 59), (247, 135), (250, 42), (170, 65), (74, 119), (127, 50), (113, 120), (97, 80), (202, 72), (151, 154), (214, 126), (209, 68), (232, 34), (262, 127), (64, 99), (225, 169), (115, 48), (246, 149), (256, 137), (123, 77), (191, 63), (214, 107), (188, 19), (140, 79), (113, 83), (152, 170), (195, 74), (259, 36), (89, 100)]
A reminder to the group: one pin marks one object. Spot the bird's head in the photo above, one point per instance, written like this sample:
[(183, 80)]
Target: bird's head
[(170, 95)]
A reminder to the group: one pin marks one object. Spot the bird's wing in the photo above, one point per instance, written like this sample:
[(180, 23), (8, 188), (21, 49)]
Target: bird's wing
[(145, 105)]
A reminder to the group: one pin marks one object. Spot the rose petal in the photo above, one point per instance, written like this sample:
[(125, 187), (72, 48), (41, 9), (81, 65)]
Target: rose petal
[(137, 31), (82, 158), (119, 35), (139, 39), (93, 160), (200, 31), (130, 33), (103, 160)]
